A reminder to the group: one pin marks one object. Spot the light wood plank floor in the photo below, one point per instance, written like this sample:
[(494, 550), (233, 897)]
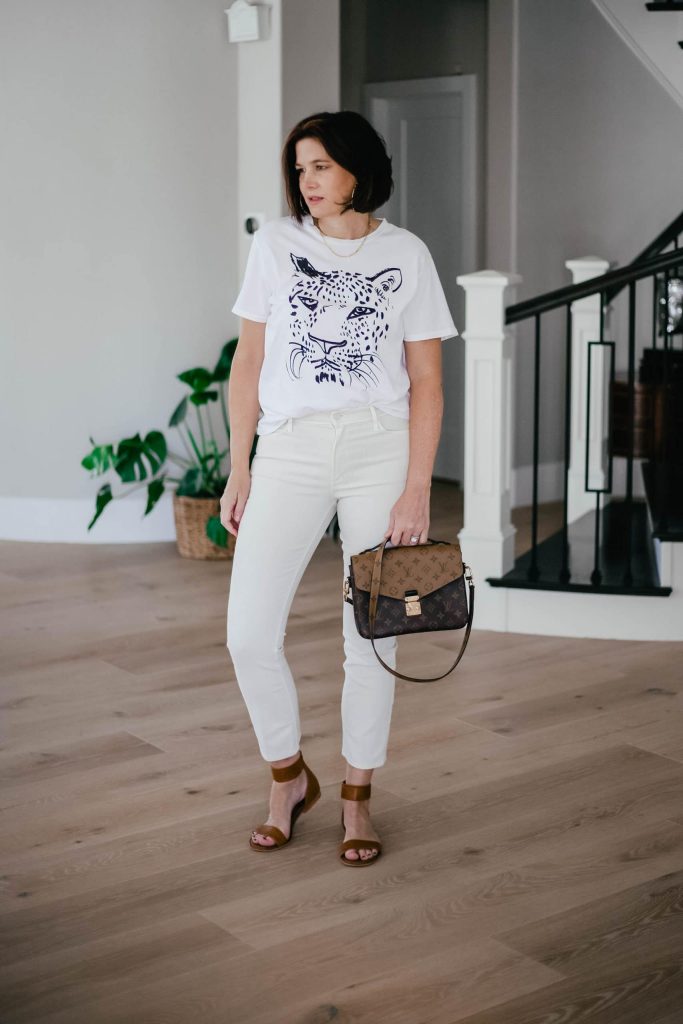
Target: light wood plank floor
[(531, 810)]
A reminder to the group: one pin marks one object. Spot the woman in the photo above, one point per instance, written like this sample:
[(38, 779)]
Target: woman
[(348, 419)]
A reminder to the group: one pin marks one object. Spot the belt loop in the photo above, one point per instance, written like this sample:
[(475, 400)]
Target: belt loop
[(374, 417)]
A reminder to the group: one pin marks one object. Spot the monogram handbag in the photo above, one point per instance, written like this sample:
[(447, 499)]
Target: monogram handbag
[(410, 588)]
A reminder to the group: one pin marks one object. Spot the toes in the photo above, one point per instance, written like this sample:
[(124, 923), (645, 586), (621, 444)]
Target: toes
[(262, 840), (363, 854)]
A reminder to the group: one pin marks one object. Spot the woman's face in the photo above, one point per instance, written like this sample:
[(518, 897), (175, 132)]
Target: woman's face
[(320, 176)]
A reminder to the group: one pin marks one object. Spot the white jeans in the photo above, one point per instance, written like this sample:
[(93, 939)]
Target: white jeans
[(354, 461)]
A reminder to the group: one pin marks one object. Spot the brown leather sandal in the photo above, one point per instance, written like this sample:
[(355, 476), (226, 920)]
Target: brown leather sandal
[(349, 792), (312, 796)]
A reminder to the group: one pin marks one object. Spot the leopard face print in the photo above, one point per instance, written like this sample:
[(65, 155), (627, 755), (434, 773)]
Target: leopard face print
[(338, 319)]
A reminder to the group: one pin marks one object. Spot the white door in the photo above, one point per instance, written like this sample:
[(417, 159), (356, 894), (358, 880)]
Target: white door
[(429, 127)]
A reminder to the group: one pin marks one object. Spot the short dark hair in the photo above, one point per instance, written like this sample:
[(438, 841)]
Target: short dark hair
[(352, 142)]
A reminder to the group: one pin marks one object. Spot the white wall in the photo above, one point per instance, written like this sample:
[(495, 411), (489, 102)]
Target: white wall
[(122, 195), (118, 260), (291, 74), (258, 90)]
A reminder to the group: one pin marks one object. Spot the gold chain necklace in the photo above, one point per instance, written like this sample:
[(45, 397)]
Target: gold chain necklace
[(345, 253)]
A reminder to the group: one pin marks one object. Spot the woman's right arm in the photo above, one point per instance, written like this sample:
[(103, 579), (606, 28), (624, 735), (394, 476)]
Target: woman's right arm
[(243, 414)]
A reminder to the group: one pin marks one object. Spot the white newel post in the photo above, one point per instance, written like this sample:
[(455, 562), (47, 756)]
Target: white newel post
[(585, 328), (487, 537)]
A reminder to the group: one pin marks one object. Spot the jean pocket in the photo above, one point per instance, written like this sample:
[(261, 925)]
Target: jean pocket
[(390, 422)]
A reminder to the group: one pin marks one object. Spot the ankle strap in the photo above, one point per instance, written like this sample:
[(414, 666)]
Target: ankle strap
[(290, 771), (349, 792)]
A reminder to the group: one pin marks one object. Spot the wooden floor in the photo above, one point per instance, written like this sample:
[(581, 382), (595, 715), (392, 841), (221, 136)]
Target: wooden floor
[(531, 811)]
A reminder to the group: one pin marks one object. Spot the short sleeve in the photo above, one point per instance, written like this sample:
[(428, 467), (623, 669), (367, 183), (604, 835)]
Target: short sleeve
[(253, 299), (427, 314)]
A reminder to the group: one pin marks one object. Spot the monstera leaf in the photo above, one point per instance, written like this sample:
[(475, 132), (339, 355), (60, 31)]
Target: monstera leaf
[(141, 461), (129, 462)]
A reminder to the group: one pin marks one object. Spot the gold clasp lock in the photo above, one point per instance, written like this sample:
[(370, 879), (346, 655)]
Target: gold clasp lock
[(412, 600)]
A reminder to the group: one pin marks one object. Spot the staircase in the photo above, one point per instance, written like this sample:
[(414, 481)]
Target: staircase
[(621, 528), (668, 7), (654, 33), (615, 568)]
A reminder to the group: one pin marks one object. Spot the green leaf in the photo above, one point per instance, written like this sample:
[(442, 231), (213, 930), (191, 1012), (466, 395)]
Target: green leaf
[(179, 413), (190, 484), (100, 459), (129, 463), (216, 532), (154, 491), (156, 442), (204, 397), (104, 496), (198, 378), (224, 364)]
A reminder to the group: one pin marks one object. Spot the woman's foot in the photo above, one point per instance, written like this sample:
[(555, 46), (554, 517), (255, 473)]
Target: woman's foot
[(283, 797), (358, 826)]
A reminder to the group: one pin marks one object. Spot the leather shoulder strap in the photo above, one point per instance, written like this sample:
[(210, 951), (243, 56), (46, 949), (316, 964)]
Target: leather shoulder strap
[(374, 594)]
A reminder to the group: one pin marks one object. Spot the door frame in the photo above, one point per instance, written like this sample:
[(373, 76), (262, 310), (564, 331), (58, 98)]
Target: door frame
[(376, 106)]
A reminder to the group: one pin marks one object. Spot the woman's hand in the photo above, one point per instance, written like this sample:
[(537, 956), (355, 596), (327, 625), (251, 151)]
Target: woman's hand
[(234, 499), (409, 517)]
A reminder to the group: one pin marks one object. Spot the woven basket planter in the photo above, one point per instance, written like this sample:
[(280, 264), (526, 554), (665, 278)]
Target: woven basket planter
[(191, 516)]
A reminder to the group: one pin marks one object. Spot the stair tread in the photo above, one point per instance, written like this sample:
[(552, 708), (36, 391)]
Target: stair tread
[(614, 526)]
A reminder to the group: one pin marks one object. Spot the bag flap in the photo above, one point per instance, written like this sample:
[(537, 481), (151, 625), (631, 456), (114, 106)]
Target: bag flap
[(424, 567)]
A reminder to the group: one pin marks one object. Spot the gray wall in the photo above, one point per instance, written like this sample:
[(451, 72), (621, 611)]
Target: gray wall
[(598, 143), (119, 214), (117, 246), (400, 40), (310, 62), (599, 173)]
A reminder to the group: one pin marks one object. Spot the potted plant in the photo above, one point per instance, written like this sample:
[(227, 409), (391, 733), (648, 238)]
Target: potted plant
[(144, 462)]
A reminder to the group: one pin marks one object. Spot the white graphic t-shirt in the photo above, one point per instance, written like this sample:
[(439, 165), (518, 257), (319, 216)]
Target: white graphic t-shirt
[(335, 325)]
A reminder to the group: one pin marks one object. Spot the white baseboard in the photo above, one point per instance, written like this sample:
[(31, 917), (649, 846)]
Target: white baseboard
[(599, 616), (65, 521)]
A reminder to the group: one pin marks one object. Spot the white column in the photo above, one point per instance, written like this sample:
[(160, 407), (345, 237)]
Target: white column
[(585, 328), (258, 94), (487, 537), (293, 71)]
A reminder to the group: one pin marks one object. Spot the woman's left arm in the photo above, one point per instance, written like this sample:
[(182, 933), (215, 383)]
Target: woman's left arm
[(409, 516)]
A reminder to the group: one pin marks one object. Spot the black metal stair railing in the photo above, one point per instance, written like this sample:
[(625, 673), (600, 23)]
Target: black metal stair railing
[(596, 572), (663, 472), (667, 6), (662, 369), (618, 563)]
